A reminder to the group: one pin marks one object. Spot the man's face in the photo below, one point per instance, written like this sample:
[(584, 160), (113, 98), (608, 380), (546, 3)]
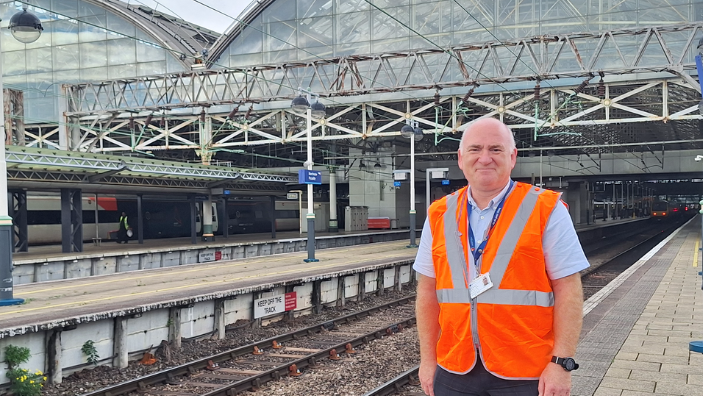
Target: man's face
[(486, 156)]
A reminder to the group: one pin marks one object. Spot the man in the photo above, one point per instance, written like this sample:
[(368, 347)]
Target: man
[(122, 236), (499, 301)]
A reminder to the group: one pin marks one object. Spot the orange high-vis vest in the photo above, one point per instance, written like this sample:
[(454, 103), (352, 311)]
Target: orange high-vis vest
[(510, 324)]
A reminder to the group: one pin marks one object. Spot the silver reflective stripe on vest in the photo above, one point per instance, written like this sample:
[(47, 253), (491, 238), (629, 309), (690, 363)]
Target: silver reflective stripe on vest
[(454, 248), (457, 296)]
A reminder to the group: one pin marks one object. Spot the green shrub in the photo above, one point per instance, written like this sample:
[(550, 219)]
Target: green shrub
[(14, 356), (22, 382), (89, 350)]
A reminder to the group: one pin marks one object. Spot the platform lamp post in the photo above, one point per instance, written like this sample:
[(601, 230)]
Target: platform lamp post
[(697, 346), (411, 131), (26, 28), (302, 104)]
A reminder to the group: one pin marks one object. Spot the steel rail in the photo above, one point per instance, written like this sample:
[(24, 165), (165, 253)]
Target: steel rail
[(170, 374), (394, 385)]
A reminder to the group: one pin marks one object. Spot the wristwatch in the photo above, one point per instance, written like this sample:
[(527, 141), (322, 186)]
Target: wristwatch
[(569, 364)]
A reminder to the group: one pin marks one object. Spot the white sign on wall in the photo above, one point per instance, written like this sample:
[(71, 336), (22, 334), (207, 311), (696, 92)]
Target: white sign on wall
[(269, 306), (217, 255)]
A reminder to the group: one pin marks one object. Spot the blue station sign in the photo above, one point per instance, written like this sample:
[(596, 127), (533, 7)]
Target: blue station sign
[(396, 184), (309, 177), (445, 182)]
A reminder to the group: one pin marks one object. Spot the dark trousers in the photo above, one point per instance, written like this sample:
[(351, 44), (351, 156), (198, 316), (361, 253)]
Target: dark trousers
[(479, 382), (122, 235)]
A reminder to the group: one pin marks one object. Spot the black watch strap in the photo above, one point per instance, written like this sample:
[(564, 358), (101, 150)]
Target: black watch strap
[(567, 364)]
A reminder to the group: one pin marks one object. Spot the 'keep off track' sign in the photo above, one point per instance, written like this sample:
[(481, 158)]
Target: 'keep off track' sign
[(275, 305)]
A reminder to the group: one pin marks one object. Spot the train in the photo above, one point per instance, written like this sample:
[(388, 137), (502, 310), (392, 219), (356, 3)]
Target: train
[(668, 210), (162, 218)]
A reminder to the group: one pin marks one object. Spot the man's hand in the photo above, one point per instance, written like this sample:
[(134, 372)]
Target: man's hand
[(426, 374), (554, 381)]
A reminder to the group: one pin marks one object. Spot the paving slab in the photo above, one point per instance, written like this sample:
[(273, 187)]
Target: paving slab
[(645, 331)]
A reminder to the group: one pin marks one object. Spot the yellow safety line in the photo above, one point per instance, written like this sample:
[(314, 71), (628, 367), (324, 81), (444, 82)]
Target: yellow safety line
[(695, 255), (84, 302)]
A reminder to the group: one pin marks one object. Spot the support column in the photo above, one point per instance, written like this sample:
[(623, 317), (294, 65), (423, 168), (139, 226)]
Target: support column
[(140, 218), (341, 297), (224, 219), (174, 327), (193, 215), (120, 349), (206, 220), (18, 212), (220, 319), (333, 226), (398, 283), (317, 297), (55, 369), (71, 221), (380, 289), (361, 293), (272, 216)]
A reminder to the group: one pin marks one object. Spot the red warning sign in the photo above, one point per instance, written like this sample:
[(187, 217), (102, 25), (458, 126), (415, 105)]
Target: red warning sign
[(291, 301)]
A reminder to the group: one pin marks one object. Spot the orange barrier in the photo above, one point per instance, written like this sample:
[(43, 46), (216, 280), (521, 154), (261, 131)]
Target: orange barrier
[(379, 223)]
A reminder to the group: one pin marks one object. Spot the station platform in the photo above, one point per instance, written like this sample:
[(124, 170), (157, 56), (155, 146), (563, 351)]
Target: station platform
[(48, 263), (58, 303), (636, 333)]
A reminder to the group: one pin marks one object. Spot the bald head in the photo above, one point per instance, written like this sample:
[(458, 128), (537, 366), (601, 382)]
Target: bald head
[(483, 123)]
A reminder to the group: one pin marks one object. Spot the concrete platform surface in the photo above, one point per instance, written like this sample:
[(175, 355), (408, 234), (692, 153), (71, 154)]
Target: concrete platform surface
[(637, 331), (50, 304), (133, 247)]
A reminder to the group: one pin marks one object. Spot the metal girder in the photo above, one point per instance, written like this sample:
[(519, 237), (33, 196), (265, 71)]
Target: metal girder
[(613, 52), (76, 178), (556, 110), (70, 161)]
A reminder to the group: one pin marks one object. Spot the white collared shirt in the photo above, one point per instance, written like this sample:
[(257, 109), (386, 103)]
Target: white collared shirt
[(562, 250)]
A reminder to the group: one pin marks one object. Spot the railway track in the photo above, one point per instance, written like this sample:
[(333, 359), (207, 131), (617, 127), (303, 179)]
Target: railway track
[(249, 367), (408, 384)]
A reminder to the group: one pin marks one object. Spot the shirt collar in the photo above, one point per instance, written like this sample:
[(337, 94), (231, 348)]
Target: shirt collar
[(493, 202)]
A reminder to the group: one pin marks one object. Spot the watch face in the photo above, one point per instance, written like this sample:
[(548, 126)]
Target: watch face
[(569, 364)]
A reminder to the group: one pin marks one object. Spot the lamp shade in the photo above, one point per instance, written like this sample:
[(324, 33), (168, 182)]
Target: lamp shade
[(25, 27), (318, 109), (417, 134), (300, 104), (406, 131)]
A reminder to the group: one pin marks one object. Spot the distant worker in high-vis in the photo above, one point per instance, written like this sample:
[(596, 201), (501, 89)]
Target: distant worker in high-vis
[(499, 300), (122, 233)]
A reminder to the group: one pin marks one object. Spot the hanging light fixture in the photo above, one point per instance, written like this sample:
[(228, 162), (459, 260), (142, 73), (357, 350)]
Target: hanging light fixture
[(362, 165), (407, 131), (377, 165), (300, 104), (25, 26), (417, 134), (318, 109)]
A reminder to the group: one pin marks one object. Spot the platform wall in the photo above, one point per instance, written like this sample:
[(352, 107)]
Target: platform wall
[(148, 326)]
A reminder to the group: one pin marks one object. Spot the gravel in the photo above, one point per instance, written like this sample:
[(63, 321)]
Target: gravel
[(375, 363), (91, 379)]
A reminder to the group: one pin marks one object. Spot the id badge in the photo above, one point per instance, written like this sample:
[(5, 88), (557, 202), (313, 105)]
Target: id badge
[(480, 285)]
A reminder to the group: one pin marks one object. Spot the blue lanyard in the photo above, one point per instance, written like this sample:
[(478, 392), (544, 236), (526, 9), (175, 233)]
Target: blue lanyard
[(477, 252)]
